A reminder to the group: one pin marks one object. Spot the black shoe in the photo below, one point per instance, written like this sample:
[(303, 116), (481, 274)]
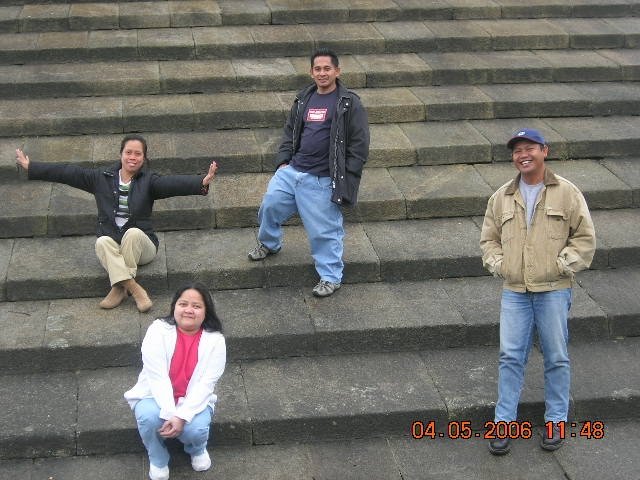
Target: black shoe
[(500, 446), (551, 443)]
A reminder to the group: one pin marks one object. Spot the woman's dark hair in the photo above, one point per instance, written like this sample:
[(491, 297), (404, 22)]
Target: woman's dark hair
[(140, 139), (211, 321)]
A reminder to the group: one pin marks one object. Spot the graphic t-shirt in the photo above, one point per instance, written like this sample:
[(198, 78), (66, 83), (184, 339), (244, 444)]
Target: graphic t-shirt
[(313, 154)]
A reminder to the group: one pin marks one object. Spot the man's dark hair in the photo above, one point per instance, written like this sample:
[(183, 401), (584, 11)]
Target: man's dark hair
[(211, 321), (325, 52)]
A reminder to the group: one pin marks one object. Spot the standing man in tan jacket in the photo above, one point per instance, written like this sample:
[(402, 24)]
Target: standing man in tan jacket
[(537, 234)]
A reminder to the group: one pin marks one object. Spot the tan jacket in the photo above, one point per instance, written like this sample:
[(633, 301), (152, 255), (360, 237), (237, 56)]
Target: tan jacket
[(560, 241)]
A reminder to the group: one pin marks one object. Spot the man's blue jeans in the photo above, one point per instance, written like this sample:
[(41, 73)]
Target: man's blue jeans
[(519, 314), (194, 436), (290, 191)]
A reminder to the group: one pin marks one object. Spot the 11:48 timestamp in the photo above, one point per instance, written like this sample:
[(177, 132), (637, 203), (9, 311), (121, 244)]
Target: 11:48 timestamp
[(585, 429)]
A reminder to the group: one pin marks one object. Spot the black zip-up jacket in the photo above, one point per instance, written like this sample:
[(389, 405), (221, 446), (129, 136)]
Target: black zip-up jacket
[(349, 141), (146, 187)]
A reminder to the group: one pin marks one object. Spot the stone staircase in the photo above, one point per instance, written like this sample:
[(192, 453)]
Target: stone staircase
[(313, 387)]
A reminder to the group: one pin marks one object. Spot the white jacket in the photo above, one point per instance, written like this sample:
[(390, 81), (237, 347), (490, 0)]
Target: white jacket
[(153, 382)]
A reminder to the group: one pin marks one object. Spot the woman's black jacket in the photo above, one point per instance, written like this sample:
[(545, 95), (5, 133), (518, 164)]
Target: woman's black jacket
[(146, 187)]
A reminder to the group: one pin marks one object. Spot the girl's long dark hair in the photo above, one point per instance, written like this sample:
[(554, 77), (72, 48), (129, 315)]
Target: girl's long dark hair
[(211, 321)]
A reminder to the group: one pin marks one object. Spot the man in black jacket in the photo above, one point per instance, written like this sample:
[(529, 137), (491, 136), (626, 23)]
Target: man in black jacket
[(319, 164)]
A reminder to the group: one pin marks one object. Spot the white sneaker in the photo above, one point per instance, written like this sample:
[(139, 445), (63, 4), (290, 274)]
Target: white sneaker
[(157, 473), (201, 462)]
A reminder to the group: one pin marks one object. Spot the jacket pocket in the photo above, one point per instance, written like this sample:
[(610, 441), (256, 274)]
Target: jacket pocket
[(510, 266), (557, 224), (507, 226)]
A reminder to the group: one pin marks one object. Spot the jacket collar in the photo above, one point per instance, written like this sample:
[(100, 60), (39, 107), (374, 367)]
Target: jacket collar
[(549, 179)]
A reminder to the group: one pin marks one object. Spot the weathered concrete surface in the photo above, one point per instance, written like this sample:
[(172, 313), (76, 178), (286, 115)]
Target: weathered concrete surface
[(470, 459), (447, 142), (71, 211), (237, 198), (613, 456), (282, 322), (400, 70), (627, 170), (23, 211), (388, 457), (616, 292), (619, 231), (75, 335), (478, 301), (600, 188), (455, 36), (72, 269), (421, 249), (22, 324), (218, 258), (389, 147), (602, 369), (6, 248), (305, 399), (467, 380), (592, 33), (580, 66), (72, 80), (454, 103), (629, 61), (266, 323), (105, 421), (31, 430), (537, 100), (442, 190), (597, 137), (516, 66), (100, 467), (379, 199), (400, 316), (253, 150)]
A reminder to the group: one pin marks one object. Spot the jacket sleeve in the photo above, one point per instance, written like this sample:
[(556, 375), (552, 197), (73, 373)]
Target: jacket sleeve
[(165, 186), (72, 175), (285, 151), (358, 138), (156, 361), (581, 244), (491, 241), (200, 389)]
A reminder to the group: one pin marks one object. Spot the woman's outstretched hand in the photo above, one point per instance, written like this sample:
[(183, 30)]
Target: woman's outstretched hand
[(22, 159), (212, 173)]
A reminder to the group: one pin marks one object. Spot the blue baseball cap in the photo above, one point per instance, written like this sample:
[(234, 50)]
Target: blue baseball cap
[(526, 134)]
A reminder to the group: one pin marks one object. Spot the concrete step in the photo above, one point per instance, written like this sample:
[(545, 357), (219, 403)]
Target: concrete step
[(250, 41), (312, 398), (397, 193), (63, 15), (382, 251), (360, 71), (389, 457), (73, 334), (392, 145), (198, 112)]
